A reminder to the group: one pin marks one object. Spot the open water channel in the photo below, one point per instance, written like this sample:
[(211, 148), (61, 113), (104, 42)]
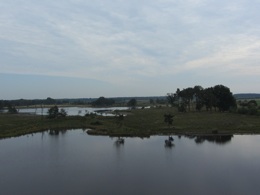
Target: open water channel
[(73, 162), (74, 111)]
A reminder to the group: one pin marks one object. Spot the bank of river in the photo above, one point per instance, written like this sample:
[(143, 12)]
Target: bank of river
[(140, 122)]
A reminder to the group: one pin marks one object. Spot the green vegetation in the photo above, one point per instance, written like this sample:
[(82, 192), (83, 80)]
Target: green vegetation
[(54, 112), (132, 103), (193, 111), (102, 101), (217, 97), (12, 109), (139, 122)]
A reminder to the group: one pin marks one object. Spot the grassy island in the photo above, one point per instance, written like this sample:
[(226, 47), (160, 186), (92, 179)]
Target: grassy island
[(139, 122)]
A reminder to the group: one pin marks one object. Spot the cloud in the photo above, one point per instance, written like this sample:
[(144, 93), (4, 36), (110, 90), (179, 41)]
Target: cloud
[(126, 41)]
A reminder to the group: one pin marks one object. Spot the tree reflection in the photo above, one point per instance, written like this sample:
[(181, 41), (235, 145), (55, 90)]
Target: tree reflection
[(54, 132), (57, 132), (218, 139)]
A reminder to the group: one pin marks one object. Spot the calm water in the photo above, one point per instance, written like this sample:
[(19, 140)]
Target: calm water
[(73, 162), (73, 111)]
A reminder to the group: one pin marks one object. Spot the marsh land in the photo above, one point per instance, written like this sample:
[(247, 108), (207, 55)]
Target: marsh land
[(136, 122)]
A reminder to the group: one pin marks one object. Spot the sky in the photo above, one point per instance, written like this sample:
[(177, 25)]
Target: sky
[(118, 48)]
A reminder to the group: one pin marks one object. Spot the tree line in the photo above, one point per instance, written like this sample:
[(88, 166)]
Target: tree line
[(218, 98)]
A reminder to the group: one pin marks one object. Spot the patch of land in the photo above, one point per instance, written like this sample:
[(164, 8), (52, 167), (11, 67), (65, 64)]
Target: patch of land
[(141, 122)]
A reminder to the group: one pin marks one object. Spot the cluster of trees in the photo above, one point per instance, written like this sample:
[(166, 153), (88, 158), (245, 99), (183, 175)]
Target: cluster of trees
[(54, 112), (160, 100), (102, 101), (217, 97), (23, 102), (6, 104), (248, 107), (132, 103)]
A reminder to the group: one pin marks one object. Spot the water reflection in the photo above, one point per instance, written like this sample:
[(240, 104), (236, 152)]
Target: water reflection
[(72, 162), (57, 132), (120, 141), (218, 139), (169, 142)]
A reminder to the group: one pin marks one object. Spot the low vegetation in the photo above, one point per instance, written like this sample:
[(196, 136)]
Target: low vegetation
[(138, 122), (188, 111)]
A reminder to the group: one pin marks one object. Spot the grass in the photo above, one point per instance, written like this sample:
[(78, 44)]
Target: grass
[(151, 121), (144, 122), (15, 125)]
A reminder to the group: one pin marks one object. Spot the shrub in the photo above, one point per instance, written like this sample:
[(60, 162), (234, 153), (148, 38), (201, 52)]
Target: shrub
[(53, 112), (12, 109), (242, 110), (252, 111)]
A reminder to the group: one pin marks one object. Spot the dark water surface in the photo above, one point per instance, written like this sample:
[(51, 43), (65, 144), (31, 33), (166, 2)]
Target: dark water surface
[(73, 162)]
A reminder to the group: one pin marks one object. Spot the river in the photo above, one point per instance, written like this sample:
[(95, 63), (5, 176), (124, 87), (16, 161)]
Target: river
[(73, 162), (74, 111)]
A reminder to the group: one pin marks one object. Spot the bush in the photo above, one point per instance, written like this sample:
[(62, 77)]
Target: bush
[(249, 111), (182, 108), (242, 110), (53, 112), (252, 111), (12, 109), (96, 123)]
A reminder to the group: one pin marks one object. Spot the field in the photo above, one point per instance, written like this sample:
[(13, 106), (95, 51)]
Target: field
[(143, 122)]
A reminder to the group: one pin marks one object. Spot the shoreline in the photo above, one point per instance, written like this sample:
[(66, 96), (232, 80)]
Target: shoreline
[(137, 123)]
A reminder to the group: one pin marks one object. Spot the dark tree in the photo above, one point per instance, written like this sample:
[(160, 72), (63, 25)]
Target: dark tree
[(53, 112), (225, 99), (12, 109), (168, 118), (50, 101), (209, 98), (102, 101), (218, 96), (62, 112), (132, 103), (1, 104), (198, 93), (172, 99), (151, 101)]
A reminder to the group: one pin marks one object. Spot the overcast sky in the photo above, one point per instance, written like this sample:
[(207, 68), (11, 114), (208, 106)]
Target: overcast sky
[(83, 48)]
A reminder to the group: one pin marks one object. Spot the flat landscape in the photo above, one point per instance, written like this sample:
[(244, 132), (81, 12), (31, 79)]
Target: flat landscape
[(138, 122)]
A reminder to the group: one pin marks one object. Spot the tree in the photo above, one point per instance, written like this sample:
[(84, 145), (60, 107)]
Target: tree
[(218, 96), (12, 109), (198, 93), (50, 101), (62, 112), (225, 99), (184, 102), (168, 118), (132, 103), (209, 98), (53, 112), (102, 101), (1, 104)]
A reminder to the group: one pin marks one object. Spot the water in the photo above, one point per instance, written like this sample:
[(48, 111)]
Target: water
[(73, 162), (74, 111)]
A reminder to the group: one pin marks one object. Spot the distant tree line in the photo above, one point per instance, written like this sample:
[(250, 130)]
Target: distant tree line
[(215, 98), (132, 103), (102, 101), (24, 102)]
